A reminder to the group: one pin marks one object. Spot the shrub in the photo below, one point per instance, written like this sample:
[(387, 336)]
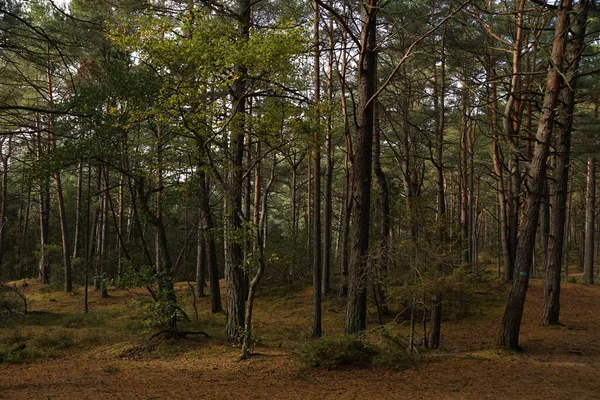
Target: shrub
[(337, 352), (54, 342)]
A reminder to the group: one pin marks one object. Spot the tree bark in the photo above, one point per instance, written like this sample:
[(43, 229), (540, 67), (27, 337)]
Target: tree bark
[(44, 207), (5, 154), (78, 205), (511, 322), (590, 206), (200, 261), (361, 173), (259, 247), (328, 201), (236, 277), (439, 93), (68, 284), (381, 271), (211, 247), (316, 330)]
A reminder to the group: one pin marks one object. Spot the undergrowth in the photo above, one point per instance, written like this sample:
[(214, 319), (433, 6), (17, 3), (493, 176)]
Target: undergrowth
[(384, 348)]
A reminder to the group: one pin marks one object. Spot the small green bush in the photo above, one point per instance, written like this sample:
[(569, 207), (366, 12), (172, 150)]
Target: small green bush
[(337, 352), (19, 357), (109, 369), (17, 337), (54, 342)]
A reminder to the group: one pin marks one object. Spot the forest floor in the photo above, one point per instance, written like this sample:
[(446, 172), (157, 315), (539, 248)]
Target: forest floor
[(104, 355)]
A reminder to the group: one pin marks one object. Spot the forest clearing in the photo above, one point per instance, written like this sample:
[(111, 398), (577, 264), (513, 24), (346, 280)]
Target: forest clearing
[(89, 356)]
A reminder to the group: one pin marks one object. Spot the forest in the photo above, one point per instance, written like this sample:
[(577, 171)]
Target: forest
[(383, 173)]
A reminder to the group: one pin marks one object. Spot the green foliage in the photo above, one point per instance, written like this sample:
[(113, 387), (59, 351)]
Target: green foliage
[(18, 357), (109, 369), (10, 301), (56, 341), (337, 351), (17, 337), (156, 315), (386, 347), (32, 347)]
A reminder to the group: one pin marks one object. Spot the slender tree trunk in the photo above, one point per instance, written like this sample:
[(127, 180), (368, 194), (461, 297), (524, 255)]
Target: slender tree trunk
[(261, 262), (103, 235), (511, 120), (590, 208), (68, 284), (211, 247), (464, 174), (440, 105), (381, 271), (44, 205), (166, 290), (295, 215), (200, 261), (121, 220), (316, 329), (236, 277), (24, 217), (78, 205), (5, 154), (328, 201), (347, 200)]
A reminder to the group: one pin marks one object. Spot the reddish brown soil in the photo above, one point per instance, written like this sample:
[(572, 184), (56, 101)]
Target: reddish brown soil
[(558, 363)]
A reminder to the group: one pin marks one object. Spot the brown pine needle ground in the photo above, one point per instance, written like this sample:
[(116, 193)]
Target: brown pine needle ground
[(90, 356)]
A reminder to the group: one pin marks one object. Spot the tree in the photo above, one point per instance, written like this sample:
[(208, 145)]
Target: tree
[(317, 266), (356, 311), (536, 174)]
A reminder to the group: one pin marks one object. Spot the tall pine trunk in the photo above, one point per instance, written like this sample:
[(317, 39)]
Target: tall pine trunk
[(536, 174), (590, 206), (236, 277), (361, 173), (558, 206), (316, 329)]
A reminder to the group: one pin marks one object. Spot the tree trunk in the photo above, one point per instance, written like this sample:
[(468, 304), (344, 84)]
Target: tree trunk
[(78, 205), (166, 290), (356, 312), (511, 322), (259, 247), (381, 270), (347, 200), (211, 247), (5, 153), (316, 330), (236, 277), (464, 214), (68, 284), (558, 206), (328, 201), (200, 261), (511, 127), (44, 205), (440, 105), (590, 208)]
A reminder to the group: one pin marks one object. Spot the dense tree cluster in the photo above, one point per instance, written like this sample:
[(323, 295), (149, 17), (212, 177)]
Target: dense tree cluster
[(384, 149)]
